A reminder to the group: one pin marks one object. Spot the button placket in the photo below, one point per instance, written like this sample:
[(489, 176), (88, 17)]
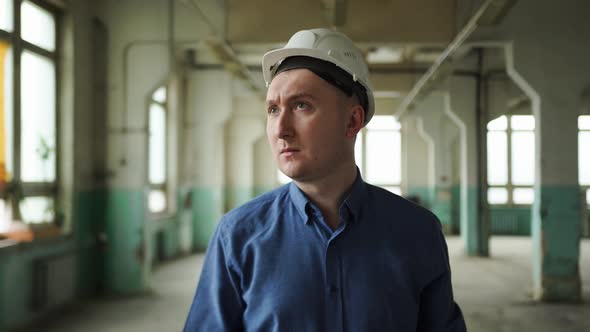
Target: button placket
[(333, 291)]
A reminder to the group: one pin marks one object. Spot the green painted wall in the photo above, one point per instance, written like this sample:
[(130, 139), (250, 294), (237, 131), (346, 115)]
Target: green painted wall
[(125, 217), (505, 220), (171, 239), (442, 207), (456, 208), (443, 202), (16, 263), (184, 221), (16, 273), (206, 203), (556, 235), (237, 195), (259, 190), (476, 234), (2, 291), (108, 243), (423, 193), (168, 231), (89, 228), (510, 220)]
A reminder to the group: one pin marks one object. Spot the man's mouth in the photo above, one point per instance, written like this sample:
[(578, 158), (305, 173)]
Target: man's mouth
[(288, 151)]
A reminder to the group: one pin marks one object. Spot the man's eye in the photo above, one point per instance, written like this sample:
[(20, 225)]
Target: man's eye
[(273, 110), (301, 106)]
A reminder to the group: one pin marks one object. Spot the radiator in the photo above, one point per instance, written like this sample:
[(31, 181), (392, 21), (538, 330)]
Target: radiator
[(53, 281), (505, 224)]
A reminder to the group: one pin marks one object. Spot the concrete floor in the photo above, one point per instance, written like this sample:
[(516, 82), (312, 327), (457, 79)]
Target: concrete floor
[(493, 293)]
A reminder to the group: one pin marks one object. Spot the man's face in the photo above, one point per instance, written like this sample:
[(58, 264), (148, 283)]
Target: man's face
[(309, 125)]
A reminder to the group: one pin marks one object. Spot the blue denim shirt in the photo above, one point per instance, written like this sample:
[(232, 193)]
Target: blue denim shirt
[(274, 265)]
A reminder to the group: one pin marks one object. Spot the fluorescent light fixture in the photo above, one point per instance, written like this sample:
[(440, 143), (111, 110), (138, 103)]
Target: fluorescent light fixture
[(384, 55), (387, 94)]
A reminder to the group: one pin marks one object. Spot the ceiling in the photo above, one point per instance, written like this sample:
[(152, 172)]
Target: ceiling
[(392, 33), (370, 22), (397, 36)]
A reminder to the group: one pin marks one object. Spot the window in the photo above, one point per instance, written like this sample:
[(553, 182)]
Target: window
[(584, 154), (28, 113), (511, 159), (282, 178), (378, 152), (157, 201)]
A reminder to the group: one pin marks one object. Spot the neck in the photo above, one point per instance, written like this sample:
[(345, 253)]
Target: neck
[(329, 192)]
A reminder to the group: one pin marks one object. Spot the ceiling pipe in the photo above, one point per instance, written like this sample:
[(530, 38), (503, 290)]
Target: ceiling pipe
[(335, 11), (490, 12), (232, 64), (226, 54)]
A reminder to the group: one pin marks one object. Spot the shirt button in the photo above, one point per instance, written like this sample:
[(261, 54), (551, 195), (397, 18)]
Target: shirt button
[(333, 289)]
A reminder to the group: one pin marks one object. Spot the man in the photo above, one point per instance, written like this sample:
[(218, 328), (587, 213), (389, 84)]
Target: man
[(326, 252)]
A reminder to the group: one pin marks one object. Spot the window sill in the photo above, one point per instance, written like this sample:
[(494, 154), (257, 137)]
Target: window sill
[(158, 221), (510, 205), (7, 243), (10, 246), (25, 233)]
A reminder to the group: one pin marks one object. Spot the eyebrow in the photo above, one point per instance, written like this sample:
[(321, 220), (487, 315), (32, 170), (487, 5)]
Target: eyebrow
[(295, 96)]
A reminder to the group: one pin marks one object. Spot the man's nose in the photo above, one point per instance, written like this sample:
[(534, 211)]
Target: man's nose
[(284, 124)]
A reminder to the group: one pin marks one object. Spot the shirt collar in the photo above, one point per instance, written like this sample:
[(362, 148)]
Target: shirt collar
[(300, 201), (353, 201)]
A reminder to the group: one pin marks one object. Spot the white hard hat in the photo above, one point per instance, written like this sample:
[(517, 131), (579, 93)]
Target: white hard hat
[(327, 45)]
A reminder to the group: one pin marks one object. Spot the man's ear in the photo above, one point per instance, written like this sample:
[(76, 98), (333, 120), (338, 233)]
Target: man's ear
[(356, 120)]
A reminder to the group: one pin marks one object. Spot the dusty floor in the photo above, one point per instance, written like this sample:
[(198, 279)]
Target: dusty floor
[(493, 293)]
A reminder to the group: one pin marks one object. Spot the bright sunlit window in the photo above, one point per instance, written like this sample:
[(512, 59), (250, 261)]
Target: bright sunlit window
[(37, 26), (282, 178), (28, 133), (378, 152), (511, 159), (38, 113), (157, 151), (6, 17), (584, 154)]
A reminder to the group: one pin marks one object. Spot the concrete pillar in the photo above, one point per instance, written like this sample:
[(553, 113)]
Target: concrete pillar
[(242, 132), (265, 168), (546, 61), (208, 108), (128, 241), (416, 180), (460, 106), (84, 124), (443, 134), (137, 39)]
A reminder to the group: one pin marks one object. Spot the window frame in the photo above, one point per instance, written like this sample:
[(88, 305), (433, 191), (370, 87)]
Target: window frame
[(16, 190), (584, 187), (165, 186), (510, 186), (363, 157)]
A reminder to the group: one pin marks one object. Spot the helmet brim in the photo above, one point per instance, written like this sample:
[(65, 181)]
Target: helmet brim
[(270, 62)]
